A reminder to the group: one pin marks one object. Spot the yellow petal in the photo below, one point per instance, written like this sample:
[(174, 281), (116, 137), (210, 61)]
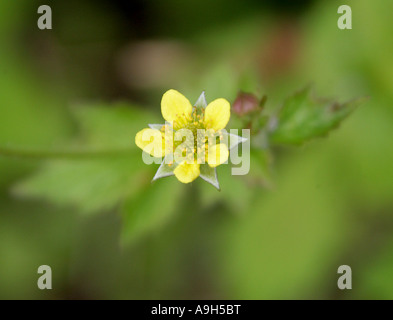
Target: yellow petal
[(217, 154), (187, 172), (174, 106), (217, 114), (151, 141)]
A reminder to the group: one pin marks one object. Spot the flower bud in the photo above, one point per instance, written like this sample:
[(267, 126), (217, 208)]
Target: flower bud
[(245, 103)]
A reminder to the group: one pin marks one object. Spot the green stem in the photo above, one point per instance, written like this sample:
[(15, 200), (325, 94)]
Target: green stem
[(62, 154)]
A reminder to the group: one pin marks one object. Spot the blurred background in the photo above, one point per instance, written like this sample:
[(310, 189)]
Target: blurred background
[(97, 78)]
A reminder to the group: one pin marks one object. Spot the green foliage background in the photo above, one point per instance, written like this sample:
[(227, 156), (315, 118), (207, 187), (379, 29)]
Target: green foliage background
[(96, 79)]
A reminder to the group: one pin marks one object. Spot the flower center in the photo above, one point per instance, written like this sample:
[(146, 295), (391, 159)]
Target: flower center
[(191, 139)]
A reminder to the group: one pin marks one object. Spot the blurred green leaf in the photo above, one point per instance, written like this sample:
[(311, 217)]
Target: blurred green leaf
[(89, 185), (94, 183), (32, 109), (111, 126), (150, 208), (303, 117)]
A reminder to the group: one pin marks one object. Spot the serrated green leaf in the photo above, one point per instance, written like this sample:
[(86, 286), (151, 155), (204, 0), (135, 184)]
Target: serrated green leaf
[(150, 209), (303, 117)]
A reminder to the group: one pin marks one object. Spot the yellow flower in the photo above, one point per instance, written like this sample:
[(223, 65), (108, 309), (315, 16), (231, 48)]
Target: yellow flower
[(202, 127)]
